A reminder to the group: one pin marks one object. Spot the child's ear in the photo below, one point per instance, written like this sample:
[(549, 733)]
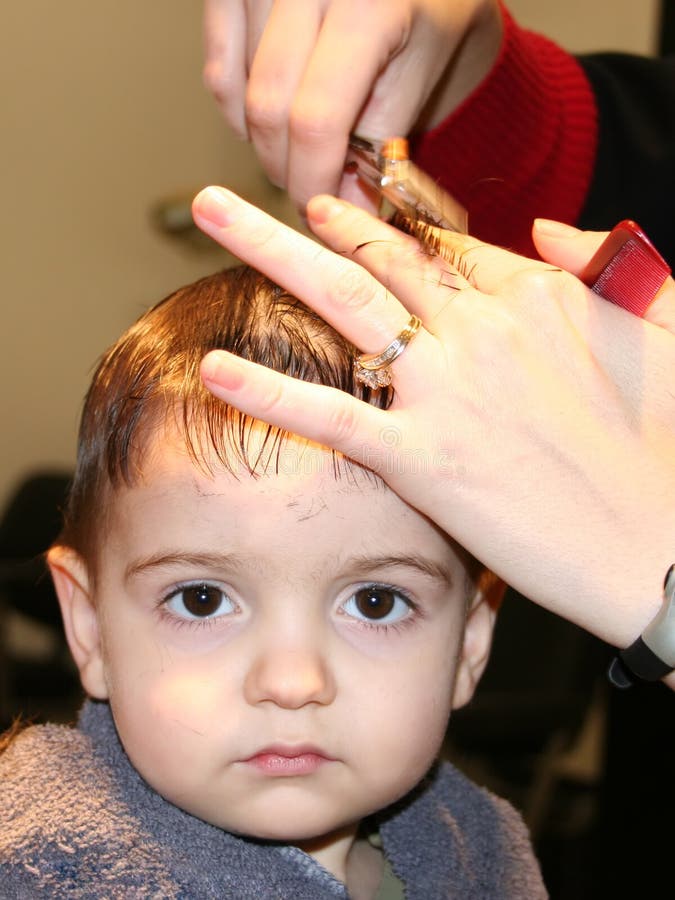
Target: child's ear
[(80, 618), (478, 631)]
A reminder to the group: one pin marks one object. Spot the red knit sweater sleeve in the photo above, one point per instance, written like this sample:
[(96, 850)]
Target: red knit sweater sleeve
[(521, 145)]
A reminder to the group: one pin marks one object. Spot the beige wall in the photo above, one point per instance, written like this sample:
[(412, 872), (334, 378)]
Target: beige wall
[(589, 25), (103, 115)]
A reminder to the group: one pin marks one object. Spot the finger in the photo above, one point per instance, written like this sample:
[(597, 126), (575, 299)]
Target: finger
[(325, 415), (354, 190), (489, 269), (572, 249), (224, 70), (257, 13), (340, 290), (422, 281), (354, 45), (484, 266), (564, 245), (275, 75), (404, 85)]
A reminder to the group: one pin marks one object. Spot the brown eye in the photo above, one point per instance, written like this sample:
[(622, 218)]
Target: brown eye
[(199, 601), (376, 603)]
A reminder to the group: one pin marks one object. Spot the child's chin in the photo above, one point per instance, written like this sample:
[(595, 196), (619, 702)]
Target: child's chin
[(299, 833), (285, 835)]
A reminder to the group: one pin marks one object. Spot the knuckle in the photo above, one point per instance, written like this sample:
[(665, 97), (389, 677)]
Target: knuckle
[(271, 401), (226, 92), (340, 424), (216, 81), (351, 289), (263, 239), (537, 289), (265, 113), (311, 127), (489, 330), (532, 281)]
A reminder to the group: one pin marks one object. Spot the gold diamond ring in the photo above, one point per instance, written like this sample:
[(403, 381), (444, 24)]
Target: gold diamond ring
[(373, 369)]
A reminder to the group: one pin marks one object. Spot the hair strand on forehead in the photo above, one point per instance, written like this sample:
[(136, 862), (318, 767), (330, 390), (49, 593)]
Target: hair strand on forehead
[(149, 380)]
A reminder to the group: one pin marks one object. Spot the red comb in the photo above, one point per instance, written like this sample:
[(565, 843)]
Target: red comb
[(627, 269)]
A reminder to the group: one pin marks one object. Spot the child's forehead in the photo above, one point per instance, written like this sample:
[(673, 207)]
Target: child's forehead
[(255, 454), (302, 488), (291, 481), (298, 520), (294, 483)]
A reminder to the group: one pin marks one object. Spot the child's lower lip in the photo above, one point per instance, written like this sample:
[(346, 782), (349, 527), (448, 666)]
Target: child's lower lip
[(277, 764)]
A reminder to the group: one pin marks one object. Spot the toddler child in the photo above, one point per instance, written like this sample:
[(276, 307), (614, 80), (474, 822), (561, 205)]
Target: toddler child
[(271, 642)]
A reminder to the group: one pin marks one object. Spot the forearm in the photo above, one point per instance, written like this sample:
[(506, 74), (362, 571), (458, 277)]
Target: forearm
[(522, 145)]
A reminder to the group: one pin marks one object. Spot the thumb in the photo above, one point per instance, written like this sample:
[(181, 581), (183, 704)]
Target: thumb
[(564, 245), (571, 249)]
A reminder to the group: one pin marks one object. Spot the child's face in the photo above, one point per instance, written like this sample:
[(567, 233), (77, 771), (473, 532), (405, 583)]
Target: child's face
[(280, 654)]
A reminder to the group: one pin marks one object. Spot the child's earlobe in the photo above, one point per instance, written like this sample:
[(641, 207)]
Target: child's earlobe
[(478, 633), (80, 618)]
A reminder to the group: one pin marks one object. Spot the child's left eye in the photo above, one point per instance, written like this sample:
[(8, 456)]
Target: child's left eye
[(378, 604), (199, 601)]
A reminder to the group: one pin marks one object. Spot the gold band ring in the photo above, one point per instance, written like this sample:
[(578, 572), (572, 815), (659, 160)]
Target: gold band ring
[(373, 369)]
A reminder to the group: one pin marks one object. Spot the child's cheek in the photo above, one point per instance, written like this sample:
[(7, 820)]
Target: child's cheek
[(170, 693)]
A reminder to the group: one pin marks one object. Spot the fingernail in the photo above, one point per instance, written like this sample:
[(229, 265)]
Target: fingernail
[(551, 228), (215, 204), (323, 208), (222, 370)]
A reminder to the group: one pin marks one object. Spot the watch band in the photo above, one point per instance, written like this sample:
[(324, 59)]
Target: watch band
[(652, 655)]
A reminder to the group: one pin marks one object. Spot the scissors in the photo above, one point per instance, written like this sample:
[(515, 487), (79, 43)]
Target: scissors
[(386, 166), (627, 269)]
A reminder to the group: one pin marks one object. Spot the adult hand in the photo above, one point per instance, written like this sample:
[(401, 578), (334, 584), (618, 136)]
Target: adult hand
[(297, 76), (531, 420)]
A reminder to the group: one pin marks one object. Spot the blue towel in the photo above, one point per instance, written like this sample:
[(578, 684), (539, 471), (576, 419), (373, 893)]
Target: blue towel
[(78, 821)]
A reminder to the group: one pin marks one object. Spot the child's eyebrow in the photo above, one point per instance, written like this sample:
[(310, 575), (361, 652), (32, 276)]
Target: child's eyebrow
[(422, 564), (168, 559), (362, 565)]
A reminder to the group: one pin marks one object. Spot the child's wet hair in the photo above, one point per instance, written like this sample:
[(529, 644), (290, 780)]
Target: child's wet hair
[(150, 378)]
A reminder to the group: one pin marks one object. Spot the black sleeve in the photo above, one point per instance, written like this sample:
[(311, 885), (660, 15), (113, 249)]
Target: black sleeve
[(634, 175)]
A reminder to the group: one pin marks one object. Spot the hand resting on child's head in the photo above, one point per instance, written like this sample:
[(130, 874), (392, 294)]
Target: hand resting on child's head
[(545, 414)]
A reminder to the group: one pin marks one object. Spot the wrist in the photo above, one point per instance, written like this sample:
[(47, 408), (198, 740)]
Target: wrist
[(651, 657)]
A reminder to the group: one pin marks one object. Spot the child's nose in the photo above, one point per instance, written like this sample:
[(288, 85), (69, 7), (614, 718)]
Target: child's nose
[(290, 677)]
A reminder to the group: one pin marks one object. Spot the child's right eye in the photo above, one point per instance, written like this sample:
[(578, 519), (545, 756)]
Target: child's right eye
[(200, 600)]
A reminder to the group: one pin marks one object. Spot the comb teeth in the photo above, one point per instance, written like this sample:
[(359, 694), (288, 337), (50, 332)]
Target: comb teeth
[(627, 269), (428, 236), (631, 279)]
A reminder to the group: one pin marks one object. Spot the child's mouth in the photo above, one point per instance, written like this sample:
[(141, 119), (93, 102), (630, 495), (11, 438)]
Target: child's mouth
[(288, 761)]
